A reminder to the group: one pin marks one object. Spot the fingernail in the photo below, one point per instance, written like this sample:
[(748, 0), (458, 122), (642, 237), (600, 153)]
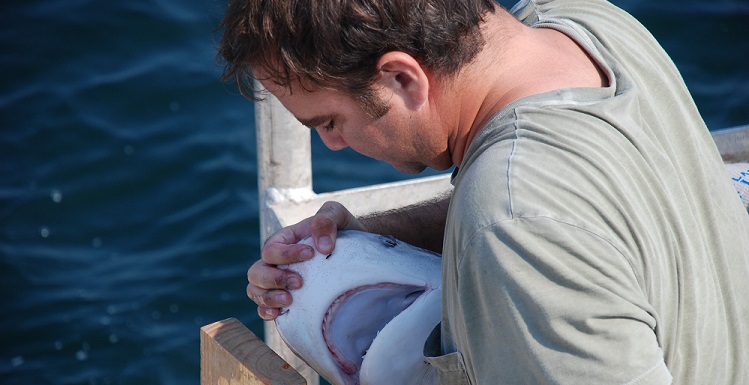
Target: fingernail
[(280, 298), (268, 314), (325, 243), (307, 254), (293, 283)]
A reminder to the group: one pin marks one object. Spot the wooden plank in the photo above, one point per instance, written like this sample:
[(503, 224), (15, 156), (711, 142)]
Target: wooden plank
[(230, 354)]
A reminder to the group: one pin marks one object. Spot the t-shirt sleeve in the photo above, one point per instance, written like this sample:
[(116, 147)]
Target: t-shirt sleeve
[(548, 302)]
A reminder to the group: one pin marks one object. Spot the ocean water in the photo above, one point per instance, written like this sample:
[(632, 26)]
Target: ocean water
[(128, 194)]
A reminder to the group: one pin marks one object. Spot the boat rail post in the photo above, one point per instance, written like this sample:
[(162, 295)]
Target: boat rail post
[(284, 173)]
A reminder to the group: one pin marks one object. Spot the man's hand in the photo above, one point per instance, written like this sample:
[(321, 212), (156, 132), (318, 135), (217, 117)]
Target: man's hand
[(268, 285)]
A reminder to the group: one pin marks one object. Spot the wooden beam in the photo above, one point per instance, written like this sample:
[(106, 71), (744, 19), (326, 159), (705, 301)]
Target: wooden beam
[(230, 354)]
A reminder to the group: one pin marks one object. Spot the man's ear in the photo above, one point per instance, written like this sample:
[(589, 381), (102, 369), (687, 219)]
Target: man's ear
[(402, 75)]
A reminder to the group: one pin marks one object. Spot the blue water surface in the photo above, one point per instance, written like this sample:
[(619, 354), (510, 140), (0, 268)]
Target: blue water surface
[(128, 193)]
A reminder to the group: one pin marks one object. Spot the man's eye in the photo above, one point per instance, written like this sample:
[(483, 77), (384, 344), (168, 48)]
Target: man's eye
[(329, 126)]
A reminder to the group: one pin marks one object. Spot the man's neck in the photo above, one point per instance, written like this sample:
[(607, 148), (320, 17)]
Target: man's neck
[(516, 61)]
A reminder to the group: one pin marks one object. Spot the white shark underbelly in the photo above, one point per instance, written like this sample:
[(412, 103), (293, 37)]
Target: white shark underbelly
[(364, 312)]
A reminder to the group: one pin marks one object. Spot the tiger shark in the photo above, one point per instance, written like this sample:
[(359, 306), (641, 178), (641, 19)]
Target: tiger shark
[(364, 312)]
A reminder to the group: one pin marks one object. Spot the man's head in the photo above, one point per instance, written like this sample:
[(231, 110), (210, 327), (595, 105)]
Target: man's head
[(336, 44)]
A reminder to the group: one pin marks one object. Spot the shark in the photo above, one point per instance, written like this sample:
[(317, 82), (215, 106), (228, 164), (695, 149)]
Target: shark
[(364, 312)]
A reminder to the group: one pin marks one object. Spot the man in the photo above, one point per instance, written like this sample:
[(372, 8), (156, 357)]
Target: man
[(592, 235)]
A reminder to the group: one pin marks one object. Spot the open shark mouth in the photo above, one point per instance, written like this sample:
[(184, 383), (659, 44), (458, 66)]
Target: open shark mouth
[(355, 318), (364, 312)]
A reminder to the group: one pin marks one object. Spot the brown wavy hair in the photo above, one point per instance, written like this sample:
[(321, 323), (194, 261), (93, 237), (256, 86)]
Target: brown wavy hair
[(335, 44)]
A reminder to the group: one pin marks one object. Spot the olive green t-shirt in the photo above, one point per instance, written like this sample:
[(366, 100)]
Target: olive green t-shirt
[(593, 236)]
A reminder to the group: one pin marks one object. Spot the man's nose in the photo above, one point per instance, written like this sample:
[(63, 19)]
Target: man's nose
[(332, 140)]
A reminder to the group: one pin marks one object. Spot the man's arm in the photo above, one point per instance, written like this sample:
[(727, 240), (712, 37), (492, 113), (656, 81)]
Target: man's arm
[(421, 225)]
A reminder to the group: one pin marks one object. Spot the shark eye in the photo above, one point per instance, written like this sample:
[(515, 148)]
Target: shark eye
[(388, 240)]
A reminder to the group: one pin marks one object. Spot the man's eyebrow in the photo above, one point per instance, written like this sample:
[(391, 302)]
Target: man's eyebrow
[(315, 121)]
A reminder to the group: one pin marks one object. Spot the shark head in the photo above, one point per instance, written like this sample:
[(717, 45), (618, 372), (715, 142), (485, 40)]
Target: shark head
[(364, 312)]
